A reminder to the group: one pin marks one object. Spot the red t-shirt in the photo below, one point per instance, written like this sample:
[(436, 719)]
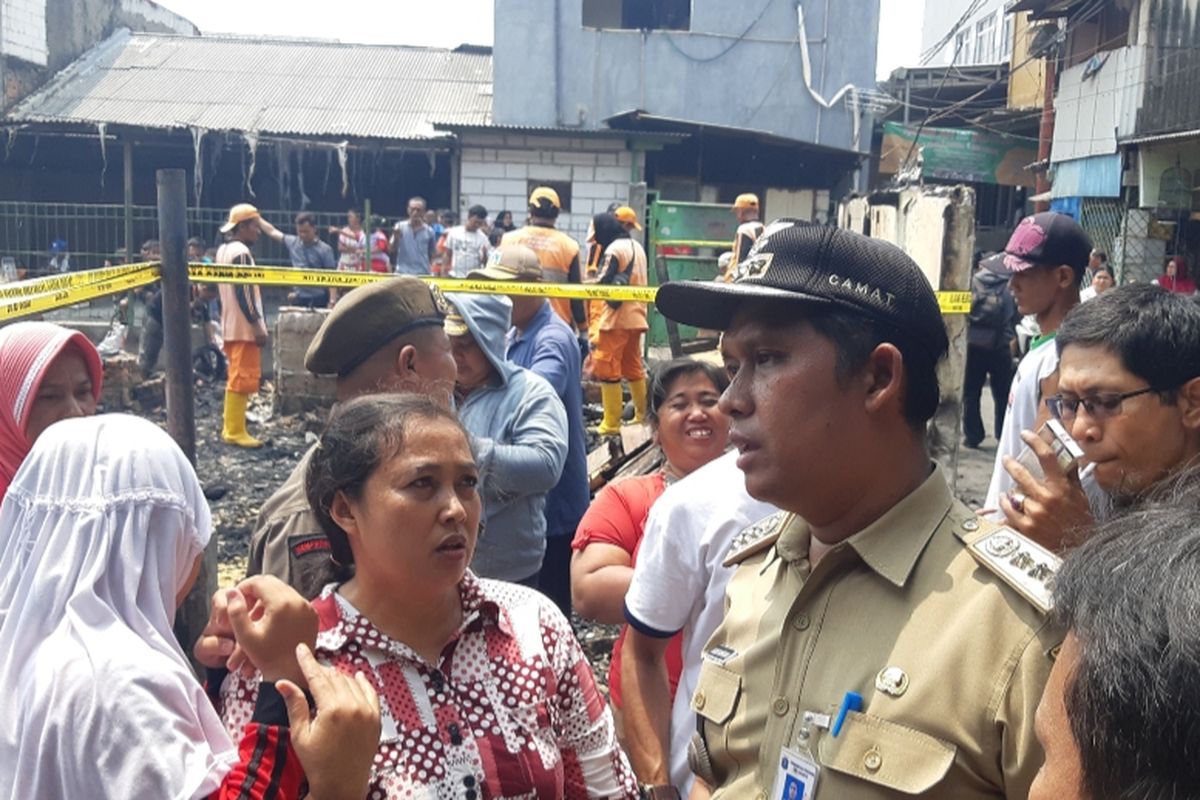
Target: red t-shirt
[(618, 517)]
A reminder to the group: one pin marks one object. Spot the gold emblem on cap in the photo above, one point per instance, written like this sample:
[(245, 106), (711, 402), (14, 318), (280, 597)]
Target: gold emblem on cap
[(892, 680), (439, 300)]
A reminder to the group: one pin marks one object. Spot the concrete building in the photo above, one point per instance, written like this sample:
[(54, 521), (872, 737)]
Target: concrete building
[(966, 32), (1125, 156), (719, 93)]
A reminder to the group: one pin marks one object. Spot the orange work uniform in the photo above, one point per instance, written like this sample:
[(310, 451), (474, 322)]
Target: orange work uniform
[(558, 255), (618, 351)]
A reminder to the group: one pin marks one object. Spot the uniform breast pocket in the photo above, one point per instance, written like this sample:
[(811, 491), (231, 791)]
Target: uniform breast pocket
[(887, 754), (717, 692)]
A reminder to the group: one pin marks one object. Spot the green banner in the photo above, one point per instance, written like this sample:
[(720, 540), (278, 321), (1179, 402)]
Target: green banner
[(955, 154)]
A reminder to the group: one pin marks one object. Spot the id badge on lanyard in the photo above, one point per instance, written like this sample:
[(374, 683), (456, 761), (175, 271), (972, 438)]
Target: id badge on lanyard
[(798, 770)]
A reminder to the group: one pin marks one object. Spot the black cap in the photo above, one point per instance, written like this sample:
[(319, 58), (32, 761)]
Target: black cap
[(1048, 239), (799, 262)]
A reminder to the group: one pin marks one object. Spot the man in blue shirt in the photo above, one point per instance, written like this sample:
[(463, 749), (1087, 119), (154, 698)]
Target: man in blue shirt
[(414, 242), (542, 343), (306, 251)]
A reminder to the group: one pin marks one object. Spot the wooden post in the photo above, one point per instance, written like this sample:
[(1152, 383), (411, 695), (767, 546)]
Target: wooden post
[(177, 342), (127, 153)]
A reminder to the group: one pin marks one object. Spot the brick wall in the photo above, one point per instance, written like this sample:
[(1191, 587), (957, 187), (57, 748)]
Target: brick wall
[(23, 30), (496, 169)]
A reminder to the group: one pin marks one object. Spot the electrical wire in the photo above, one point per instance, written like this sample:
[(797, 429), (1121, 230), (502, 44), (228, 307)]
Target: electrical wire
[(945, 40), (721, 54)]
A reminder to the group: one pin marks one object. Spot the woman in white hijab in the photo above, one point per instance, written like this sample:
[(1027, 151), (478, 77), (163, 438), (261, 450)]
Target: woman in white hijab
[(101, 534)]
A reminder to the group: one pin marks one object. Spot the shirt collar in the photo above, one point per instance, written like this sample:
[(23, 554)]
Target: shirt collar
[(340, 620), (540, 318), (892, 544)]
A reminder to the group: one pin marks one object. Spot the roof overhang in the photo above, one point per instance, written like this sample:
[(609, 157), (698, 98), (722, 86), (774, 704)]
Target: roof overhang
[(654, 123), (561, 131), (1043, 9), (1156, 138)]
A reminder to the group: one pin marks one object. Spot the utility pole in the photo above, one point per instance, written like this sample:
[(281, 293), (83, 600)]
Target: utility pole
[(181, 409), (1046, 129)]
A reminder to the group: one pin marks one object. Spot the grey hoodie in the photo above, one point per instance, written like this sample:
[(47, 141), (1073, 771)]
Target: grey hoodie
[(520, 430)]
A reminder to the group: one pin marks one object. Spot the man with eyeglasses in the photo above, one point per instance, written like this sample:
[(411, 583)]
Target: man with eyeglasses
[(1129, 393), (1045, 260)]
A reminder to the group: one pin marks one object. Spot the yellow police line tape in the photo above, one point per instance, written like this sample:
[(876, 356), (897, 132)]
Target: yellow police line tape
[(78, 287), (70, 280), (950, 302), (16, 307)]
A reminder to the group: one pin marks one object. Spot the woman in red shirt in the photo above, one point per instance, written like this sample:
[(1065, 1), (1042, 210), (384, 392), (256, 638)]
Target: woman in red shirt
[(485, 692), (691, 431)]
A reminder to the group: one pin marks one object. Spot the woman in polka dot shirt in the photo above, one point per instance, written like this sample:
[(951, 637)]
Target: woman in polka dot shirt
[(485, 692)]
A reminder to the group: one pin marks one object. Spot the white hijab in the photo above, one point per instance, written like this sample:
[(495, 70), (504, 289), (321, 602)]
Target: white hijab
[(99, 532)]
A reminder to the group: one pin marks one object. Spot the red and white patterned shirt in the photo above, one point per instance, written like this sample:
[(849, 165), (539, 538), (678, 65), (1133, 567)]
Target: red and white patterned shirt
[(510, 710)]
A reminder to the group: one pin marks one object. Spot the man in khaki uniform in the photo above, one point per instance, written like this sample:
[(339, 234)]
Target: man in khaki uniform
[(874, 590), (385, 337)]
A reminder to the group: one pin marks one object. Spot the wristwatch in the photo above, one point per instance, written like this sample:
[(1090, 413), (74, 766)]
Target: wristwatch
[(657, 791)]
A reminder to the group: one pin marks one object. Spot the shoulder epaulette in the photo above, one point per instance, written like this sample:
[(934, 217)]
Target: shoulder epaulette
[(1023, 564), (755, 538)]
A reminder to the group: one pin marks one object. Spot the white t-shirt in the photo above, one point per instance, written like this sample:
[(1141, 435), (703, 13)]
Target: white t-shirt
[(467, 249), (679, 581), (1023, 400)]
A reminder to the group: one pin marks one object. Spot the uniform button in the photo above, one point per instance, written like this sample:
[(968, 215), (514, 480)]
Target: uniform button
[(469, 781), (699, 700), (872, 760), (800, 622), (780, 706), (760, 796)]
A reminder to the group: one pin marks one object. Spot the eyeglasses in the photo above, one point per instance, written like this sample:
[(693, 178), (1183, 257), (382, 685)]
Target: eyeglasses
[(1098, 406)]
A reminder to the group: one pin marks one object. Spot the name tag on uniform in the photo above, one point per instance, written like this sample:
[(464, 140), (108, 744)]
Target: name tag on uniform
[(796, 778)]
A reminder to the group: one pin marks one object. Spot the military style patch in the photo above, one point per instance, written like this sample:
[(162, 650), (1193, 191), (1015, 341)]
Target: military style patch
[(1020, 562), (754, 266), (755, 538), (307, 545)]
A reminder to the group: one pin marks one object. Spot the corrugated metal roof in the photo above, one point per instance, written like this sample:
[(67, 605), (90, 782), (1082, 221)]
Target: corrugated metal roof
[(306, 88)]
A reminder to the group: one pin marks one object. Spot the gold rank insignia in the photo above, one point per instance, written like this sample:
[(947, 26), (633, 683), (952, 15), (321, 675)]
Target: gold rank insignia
[(1017, 560), (755, 538)]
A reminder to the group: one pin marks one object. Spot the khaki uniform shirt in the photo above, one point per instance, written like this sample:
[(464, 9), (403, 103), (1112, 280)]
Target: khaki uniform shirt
[(288, 541), (950, 662)]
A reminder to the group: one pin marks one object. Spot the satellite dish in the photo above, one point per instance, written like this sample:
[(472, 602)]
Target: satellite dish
[(1042, 39)]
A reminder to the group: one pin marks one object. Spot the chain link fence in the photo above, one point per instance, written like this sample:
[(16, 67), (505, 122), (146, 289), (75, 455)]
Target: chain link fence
[(1137, 242)]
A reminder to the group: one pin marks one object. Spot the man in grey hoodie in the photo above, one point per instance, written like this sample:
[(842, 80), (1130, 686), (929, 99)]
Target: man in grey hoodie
[(519, 427)]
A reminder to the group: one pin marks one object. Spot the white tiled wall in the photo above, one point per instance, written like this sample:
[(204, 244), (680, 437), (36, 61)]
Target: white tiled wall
[(496, 168)]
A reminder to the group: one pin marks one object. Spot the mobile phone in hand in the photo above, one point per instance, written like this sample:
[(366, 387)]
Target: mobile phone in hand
[(1066, 450)]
